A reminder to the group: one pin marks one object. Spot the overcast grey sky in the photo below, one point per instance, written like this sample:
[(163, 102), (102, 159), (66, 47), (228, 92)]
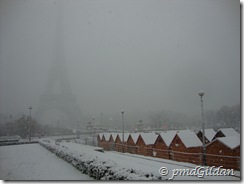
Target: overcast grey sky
[(139, 55)]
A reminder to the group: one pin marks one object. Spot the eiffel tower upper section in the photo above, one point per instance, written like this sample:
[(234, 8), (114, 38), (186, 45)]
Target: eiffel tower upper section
[(58, 73), (58, 94)]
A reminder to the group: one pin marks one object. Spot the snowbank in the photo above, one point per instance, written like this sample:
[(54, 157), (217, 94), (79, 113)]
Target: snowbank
[(95, 167)]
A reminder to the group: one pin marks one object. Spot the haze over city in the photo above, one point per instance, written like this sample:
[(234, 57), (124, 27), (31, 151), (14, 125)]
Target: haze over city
[(140, 56)]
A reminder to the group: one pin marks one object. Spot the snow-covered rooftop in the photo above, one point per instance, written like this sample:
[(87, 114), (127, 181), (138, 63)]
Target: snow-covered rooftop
[(149, 138), (114, 135), (229, 132), (189, 138), (134, 136), (106, 135), (209, 133), (230, 141), (100, 135), (126, 135), (168, 136)]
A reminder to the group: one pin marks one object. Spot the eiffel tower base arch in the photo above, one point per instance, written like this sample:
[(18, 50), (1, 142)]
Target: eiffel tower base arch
[(67, 106)]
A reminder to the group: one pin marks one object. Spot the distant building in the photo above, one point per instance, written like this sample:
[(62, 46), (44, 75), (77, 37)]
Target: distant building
[(140, 126)]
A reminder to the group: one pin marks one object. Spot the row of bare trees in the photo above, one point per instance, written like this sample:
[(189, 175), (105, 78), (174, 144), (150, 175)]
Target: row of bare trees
[(224, 117), (20, 127)]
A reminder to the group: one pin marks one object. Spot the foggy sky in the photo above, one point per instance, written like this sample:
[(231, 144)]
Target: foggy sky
[(137, 55)]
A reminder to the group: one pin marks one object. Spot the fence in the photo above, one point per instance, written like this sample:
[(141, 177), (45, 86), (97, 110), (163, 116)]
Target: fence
[(228, 162)]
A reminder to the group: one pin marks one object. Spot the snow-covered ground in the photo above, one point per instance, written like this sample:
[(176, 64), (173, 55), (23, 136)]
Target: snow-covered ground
[(130, 161), (33, 162)]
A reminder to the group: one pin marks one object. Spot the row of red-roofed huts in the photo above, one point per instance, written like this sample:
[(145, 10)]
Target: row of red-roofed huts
[(222, 147)]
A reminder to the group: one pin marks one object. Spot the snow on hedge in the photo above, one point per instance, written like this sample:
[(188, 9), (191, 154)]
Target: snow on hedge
[(95, 167)]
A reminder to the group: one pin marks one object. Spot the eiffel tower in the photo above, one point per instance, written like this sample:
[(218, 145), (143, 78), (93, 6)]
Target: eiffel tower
[(58, 94)]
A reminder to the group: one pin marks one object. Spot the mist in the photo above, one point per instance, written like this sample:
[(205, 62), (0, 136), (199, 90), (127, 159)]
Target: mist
[(141, 56)]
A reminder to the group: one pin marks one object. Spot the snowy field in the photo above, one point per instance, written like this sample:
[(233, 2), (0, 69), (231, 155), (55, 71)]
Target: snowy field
[(136, 162), (33, 162)]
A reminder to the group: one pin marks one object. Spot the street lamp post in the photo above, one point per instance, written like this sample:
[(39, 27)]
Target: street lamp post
[(10, 118), (201, 93), (102, 119), (93, 118), (123, 136), (30, 124), (93, 121), (78, 127)]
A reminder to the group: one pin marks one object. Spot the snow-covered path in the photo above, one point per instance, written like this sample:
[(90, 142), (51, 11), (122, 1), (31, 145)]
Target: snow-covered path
[(33, 162)]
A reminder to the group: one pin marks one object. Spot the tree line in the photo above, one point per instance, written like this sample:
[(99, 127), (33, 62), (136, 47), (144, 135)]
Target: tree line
[(225, 117), (20, 127)]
